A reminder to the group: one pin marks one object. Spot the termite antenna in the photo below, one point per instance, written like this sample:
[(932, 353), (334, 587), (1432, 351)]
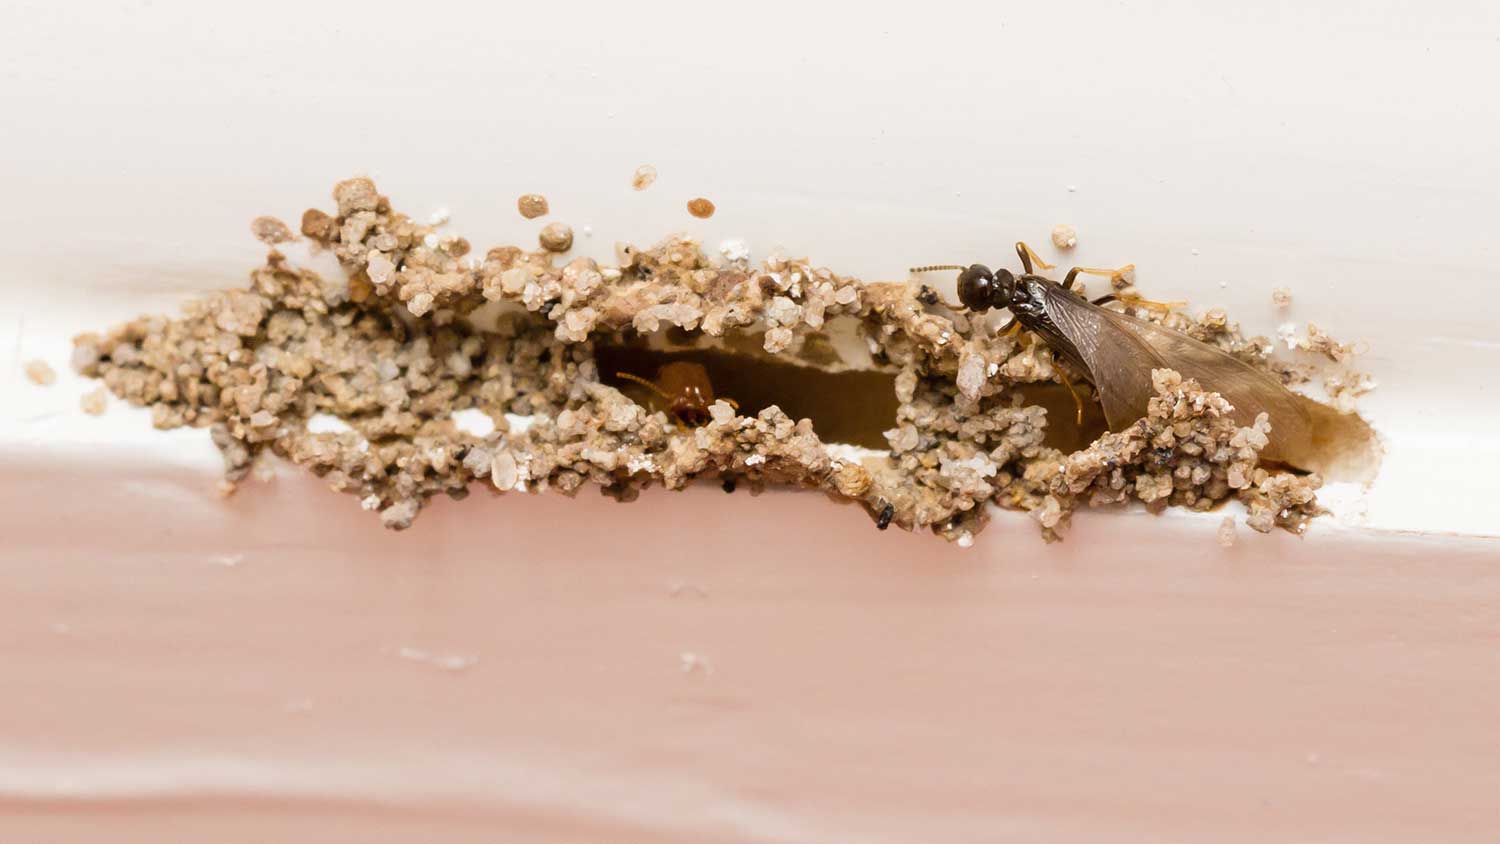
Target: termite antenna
[(934, 267), (644, 383)]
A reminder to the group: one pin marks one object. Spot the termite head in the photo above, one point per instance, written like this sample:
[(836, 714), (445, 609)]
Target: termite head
[(979, 289), (691, 410), (685, 389)]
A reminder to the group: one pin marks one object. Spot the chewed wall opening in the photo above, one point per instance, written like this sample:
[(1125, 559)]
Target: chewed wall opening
[(850, 406), (1064, 431), (446, 368), (855, 407)]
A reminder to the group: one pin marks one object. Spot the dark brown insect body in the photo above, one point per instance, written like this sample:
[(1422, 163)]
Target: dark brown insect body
[(685, 387), (1116, 352)]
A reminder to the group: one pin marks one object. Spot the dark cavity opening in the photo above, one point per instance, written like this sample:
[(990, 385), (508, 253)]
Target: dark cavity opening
[(855, 408), (1063, 431)]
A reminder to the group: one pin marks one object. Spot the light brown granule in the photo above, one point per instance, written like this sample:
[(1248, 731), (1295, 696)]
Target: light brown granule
[(318, 225), (532, 205), (1064, 236), (1344, 386), (1281, 297), (556, 237), (1319, 342), (1226, 534), (95, 402), (644, 176), (271, 231), (40, 373), (354, 195), (701, 208)]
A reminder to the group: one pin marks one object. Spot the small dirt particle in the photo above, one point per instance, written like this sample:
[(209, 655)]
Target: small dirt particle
[(357, 194), (1064, 236), (318, 225), (734, 250), (398, 516), (1226, 532), (271, 231), (40, 373), (94, 403), (532, 205), (1281, 297), (701, 208), (644, 176), (556, 237)]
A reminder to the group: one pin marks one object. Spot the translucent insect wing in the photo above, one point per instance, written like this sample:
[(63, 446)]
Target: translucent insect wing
[(1121, 350), (1118, 360), (1250, 390), (1304, 433)]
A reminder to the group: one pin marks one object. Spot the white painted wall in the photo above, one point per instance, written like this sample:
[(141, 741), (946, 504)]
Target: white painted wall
[(1346, 151)]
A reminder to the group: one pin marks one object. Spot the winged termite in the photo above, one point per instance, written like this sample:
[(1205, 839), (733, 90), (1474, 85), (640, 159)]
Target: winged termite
[(1116, 353)]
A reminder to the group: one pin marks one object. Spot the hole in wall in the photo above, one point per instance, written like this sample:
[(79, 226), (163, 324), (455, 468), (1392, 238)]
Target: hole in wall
[(855, 407), (1064, 432)]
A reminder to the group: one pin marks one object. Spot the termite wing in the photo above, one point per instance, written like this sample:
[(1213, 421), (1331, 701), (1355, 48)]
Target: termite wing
[(1117, 352)]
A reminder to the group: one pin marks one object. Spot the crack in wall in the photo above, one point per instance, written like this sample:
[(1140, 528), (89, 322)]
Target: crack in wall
[(953, 416)]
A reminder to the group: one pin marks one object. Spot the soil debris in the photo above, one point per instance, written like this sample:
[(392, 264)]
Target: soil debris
[(1064, 236), (271, 231), (95, 402), (1316, 341), (644, 176), (532, 205), (415, 333), (556, 237), (1344, 386), (40, 373), (700, 208), (1226, 533)]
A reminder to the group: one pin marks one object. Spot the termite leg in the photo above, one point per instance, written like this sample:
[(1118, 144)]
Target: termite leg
[(1112, 275), (1028, 257), (731, 402), (1132, 300), (1010, 329), (1138, 302), (1063, 373)]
